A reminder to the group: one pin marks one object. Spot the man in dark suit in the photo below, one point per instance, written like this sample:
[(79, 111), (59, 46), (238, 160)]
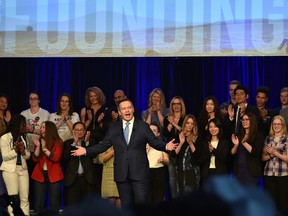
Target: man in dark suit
[(233, 120), (113, 111), (241, 107), (79, 177), (131, 165)]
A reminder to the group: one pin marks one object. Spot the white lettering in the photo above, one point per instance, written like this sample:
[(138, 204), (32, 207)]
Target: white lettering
[(236, 30), (260, 32), (136, 21), (198, 29), (63, 27), (176, 31), (80, 30), (15, 23), (139, 28)]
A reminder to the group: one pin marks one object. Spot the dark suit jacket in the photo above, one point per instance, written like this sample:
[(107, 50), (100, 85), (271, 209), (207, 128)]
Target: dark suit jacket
[(220, 153), (254, 158), (230, 125), (72, 164), (129, 159)]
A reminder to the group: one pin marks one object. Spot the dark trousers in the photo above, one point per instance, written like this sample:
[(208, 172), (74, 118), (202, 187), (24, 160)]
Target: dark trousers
[(157, 185), (31, 165), (277, 187), (133, 192), (78, 191), (41, 189), (98, 169)]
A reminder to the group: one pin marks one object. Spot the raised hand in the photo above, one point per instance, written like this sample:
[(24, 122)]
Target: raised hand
[(211, 148), (231, 111), (75, 137), (235, 140), (89, 114), (36, 142), (182, 137), (87, 136)]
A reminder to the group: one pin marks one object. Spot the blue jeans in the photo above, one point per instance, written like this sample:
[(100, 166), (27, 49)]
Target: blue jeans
[(41, 190)]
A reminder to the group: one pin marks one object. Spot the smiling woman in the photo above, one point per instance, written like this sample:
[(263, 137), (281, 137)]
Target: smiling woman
[(247, 151), (275, 154)]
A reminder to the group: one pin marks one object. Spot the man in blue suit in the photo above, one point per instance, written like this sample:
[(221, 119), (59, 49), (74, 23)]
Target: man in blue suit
[(131, 165)]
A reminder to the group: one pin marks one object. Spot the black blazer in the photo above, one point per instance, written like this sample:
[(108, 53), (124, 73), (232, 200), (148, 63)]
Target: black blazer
[(129, 159), (254, 161), (72, 164), (230, 125), (220, 153)]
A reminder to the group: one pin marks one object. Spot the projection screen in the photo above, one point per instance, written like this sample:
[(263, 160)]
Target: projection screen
[(143, 28)]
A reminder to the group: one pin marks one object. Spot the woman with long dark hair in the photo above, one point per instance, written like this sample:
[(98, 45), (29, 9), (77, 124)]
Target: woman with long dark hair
[(247, 150), (214, 151), (47, 173)]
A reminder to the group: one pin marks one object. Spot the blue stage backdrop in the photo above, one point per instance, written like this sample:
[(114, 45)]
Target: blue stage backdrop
[(193, 78)]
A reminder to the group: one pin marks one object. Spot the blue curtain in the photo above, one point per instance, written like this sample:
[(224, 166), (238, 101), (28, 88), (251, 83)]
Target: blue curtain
[(193, 78)]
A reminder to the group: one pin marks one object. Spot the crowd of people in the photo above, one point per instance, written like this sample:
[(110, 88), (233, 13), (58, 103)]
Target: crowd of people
[(129, 158)]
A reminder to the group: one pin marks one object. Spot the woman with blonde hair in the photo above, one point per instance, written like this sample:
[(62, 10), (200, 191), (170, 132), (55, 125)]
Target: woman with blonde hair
[(157, 109), (172, 127), (275, 153), (188, 156)]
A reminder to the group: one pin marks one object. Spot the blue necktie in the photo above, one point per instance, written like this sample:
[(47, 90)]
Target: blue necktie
[(126, 132)]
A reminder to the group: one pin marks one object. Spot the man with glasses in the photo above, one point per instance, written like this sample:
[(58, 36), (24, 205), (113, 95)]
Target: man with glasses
[(233, 120), (235, 113), (79, 174)]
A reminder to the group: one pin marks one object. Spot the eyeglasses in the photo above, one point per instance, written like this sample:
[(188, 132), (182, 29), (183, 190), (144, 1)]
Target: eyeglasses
[(33, 98), (277, 124), (81, 130), (176, 104), (245, 119), (240, 94)]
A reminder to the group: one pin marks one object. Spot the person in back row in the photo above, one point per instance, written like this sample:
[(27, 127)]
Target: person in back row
[(96, 119), (157, 109), (113, 111), (34, 115), (64, 117)]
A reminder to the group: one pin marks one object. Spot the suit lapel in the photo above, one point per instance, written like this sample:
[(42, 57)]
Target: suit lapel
[(122, 132), (133, 131)]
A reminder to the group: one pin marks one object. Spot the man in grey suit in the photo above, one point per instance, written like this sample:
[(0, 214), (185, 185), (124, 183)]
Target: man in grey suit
[(131, 165)]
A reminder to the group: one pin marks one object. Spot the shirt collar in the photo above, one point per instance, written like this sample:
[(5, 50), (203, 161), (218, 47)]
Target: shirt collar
[(124, 122)]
